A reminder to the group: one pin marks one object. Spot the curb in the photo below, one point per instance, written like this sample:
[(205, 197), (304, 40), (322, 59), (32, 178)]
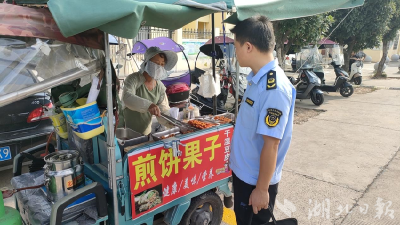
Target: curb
[(381, 87), (229, 217)]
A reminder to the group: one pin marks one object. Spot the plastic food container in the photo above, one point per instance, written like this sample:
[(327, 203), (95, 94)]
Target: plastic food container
[(85, 120), (60, 125)]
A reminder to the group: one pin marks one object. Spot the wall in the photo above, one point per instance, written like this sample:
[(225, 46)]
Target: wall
[(207, 22), (193, 25), (204, 19), (201, 26), (376, 53)]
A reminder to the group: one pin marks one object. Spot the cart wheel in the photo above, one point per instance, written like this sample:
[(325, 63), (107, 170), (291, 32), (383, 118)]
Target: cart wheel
[(204, 209)]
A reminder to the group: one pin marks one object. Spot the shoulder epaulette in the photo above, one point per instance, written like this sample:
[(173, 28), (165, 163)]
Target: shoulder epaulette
[(271, 80)]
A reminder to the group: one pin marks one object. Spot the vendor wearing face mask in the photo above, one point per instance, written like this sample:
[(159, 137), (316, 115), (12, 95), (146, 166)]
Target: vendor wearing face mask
[(144, 93)]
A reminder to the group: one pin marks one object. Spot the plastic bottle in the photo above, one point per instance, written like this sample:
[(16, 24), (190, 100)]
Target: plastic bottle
[(190, 113), (196, 111)]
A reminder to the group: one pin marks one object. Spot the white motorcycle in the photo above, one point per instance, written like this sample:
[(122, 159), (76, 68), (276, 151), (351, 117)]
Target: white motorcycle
[(355, 73)]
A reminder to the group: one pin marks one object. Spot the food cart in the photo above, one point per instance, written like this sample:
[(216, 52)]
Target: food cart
[(174, 175)]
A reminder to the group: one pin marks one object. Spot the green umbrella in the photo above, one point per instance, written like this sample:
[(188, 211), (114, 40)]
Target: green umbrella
[(123, 18)]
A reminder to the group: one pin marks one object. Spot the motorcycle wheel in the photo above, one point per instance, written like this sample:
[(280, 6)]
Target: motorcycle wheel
[(358, 80), (346, 91), (318, 99)]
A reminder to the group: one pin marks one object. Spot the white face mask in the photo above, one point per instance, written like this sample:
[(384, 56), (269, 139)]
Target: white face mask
[(155, 71)]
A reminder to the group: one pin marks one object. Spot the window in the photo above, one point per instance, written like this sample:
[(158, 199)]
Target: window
[(15, 82)]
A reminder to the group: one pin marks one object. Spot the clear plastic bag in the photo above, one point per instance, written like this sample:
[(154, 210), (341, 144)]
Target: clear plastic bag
[(85, 147), (208, 86)]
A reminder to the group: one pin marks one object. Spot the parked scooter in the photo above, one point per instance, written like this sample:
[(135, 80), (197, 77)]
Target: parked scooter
[(321, 76), (355, 73), (308, 85), (319, 71), (341, 82)]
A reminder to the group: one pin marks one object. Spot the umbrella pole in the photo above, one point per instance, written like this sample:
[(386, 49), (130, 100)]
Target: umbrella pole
[(190, 71), (237, 88), (119, 46), (112, 181), (213, 62)]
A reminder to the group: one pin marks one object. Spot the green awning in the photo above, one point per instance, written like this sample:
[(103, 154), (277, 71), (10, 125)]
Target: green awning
[(287, 9), (123, 18)]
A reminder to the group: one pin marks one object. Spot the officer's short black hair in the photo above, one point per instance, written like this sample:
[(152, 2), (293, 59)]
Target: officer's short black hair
[(257, 30)]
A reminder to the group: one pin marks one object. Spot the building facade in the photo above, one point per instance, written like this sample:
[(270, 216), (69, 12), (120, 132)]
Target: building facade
[(376, 53)]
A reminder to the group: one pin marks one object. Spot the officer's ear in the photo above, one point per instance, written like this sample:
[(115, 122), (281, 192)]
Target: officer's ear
[(249, 47)]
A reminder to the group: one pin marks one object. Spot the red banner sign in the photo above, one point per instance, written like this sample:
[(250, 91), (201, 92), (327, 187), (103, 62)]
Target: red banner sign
[(157, 177)]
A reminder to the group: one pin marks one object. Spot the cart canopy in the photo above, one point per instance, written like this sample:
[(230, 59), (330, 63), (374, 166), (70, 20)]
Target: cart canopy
[(123, 18), (36, 22)]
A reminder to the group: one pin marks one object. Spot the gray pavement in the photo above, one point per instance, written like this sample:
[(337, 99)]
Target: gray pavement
[(343, 158), (381, 198)]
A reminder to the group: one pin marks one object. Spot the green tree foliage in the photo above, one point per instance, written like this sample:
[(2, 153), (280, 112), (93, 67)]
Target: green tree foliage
[(299, 32), (363, 28)]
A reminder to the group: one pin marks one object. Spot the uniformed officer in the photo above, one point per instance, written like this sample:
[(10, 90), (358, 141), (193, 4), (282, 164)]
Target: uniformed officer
[(264, 125)]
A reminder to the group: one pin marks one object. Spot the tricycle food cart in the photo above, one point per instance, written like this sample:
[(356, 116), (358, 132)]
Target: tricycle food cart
[(175, 177)]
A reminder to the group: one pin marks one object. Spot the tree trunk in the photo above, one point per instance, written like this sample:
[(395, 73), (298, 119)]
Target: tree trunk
[(280, 44), (279, 51), (287, 48), (346, 54), (379, 71), (283, 59)]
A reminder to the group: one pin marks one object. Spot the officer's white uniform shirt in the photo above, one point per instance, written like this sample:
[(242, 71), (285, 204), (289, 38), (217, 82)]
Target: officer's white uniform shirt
[(263, 112)]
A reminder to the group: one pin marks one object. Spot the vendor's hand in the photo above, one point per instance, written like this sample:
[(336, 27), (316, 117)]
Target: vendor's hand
[(154, 110), (259, 199)]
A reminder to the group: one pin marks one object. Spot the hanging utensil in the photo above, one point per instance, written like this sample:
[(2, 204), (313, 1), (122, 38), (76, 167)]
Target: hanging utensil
[(9, 193)]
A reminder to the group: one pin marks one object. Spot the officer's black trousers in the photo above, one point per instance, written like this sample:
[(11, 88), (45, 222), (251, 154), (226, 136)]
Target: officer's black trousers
[(244, 211)]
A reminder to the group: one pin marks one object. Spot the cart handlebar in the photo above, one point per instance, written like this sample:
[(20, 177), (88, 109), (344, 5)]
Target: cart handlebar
[(95, 188)]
